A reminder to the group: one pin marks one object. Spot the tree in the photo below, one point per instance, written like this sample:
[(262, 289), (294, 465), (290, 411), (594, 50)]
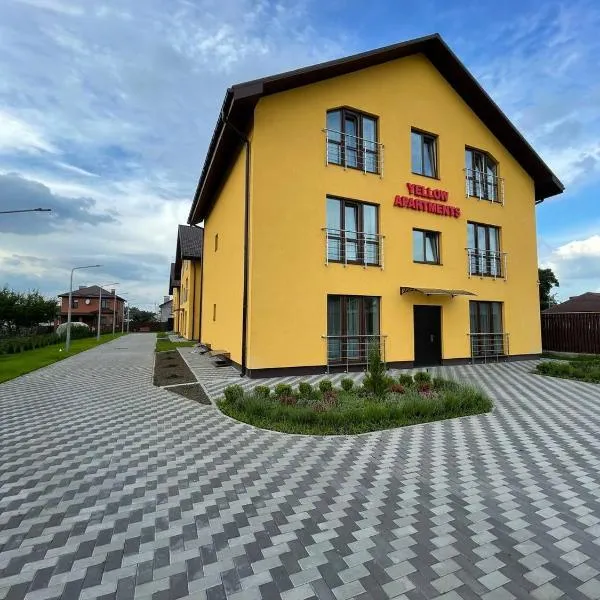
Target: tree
[(547, 280), (24, 309), (141, 316)]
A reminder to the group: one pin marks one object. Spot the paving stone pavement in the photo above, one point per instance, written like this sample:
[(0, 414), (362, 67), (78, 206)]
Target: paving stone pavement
[(111, 488)]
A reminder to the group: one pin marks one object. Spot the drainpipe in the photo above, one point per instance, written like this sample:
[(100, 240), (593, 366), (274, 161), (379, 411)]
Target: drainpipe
[(246, 142)]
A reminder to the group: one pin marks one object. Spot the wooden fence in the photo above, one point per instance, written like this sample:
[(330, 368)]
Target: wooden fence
[(571, 332)]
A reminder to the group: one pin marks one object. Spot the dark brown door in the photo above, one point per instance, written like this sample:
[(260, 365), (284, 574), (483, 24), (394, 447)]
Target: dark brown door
[(428, 335)]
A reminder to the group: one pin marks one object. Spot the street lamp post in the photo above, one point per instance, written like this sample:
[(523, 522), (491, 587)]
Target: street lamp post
[(123, 311), (68, 341), (114, 309), (24, 210), (100, 308)]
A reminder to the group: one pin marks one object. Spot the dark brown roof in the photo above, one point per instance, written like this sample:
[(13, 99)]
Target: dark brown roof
[(588, 302), (173, 283), (189, 242), (240, 100), (89, 292)]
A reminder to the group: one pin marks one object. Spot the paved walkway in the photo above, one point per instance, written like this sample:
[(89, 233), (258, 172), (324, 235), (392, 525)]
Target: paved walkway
[(112, 488)]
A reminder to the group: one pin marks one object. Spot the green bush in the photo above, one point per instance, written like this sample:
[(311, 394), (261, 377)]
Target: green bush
[(283, 389), (376, 381), (262, 391), (347, 384), (581, 370), (405, 379), (422, 377), (234, 394), (325, 385), (305, 389)]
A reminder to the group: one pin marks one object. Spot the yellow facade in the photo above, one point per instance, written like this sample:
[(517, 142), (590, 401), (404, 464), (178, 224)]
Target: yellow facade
[(289, 276), (223, 256), (176, 311), (189, 299)]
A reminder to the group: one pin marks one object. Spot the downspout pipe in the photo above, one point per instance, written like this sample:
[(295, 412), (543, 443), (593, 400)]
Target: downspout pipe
[(246, 141)]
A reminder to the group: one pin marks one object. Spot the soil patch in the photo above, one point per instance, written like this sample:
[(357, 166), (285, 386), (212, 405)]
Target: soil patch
[(171, 369), (191, 392)]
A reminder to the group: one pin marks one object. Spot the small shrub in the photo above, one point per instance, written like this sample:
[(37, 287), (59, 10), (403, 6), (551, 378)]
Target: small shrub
[(397, 388), (283, 389), (405, 379), (347, 384), (305, 389), (325, 385), (234, 394), (330, 398), (422, 377), (375, 380), (288, 400), (424, 387), (262, 391), (438, 383)]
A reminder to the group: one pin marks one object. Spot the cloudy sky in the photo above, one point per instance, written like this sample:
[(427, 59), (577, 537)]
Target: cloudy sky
[(107, 106)]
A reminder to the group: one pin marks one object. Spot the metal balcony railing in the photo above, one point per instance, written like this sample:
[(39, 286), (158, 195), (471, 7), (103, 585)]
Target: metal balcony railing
[(488, 346), (486, 263), (353, 247), (352, 350), (353, 152), (484, 186)]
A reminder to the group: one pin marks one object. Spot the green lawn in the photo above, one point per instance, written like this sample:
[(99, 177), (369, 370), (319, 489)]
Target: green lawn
[(14, 365), (164, 344), (582, 368)]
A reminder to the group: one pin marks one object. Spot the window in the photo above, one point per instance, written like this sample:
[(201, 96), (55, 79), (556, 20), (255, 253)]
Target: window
[(352, 326), (483, 248), (482, 175), (216, 241), (423, 152), (74, 303), (352, 232), (487, 336), (352, 140), (105, 302), (426, 246)]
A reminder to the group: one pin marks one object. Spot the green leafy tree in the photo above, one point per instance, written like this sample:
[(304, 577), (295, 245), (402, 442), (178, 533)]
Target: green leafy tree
[(376, 381), (137, 315), (25, 309), (547, 280)]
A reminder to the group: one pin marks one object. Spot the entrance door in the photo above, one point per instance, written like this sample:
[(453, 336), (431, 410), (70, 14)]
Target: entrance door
[(428, 335)]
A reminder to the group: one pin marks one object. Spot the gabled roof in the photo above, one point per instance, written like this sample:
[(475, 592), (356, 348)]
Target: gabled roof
[(173, 283), (240, 100), (189, 247), (93, 291), (588, 302), (189, 242)]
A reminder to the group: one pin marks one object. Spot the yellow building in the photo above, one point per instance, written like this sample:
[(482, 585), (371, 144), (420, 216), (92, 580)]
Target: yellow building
[(186, 282), (380, 197)]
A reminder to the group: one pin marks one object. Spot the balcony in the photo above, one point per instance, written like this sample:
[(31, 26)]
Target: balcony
[(352, 350), (353, 152), (353, 248), (484, 186), (486, 263), (488, 346)]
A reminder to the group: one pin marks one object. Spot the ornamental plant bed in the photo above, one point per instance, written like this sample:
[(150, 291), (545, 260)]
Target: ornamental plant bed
[(580, 368), (171, 369), (381, 402)]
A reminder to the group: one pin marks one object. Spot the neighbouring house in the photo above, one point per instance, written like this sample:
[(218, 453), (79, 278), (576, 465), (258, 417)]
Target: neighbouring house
[(584, 303), (186, 282), (402, 213), (85, 306), (573, 326), (165, 314)]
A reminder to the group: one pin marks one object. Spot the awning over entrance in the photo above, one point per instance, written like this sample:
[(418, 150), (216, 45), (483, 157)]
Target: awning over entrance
[(435, 292)]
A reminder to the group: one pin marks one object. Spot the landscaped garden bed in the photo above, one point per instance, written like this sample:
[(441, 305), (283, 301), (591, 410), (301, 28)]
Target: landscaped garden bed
[(380, 402), (164, 344), (171, 369), (582, 368)]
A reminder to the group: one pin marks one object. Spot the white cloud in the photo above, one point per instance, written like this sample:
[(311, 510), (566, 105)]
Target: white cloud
[(16, 135), (66, 8)]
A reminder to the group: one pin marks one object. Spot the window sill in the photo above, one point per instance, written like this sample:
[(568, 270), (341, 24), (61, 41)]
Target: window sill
[(426, 262), (352, 263), (486, 200), (359, 169), (427, 176)]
